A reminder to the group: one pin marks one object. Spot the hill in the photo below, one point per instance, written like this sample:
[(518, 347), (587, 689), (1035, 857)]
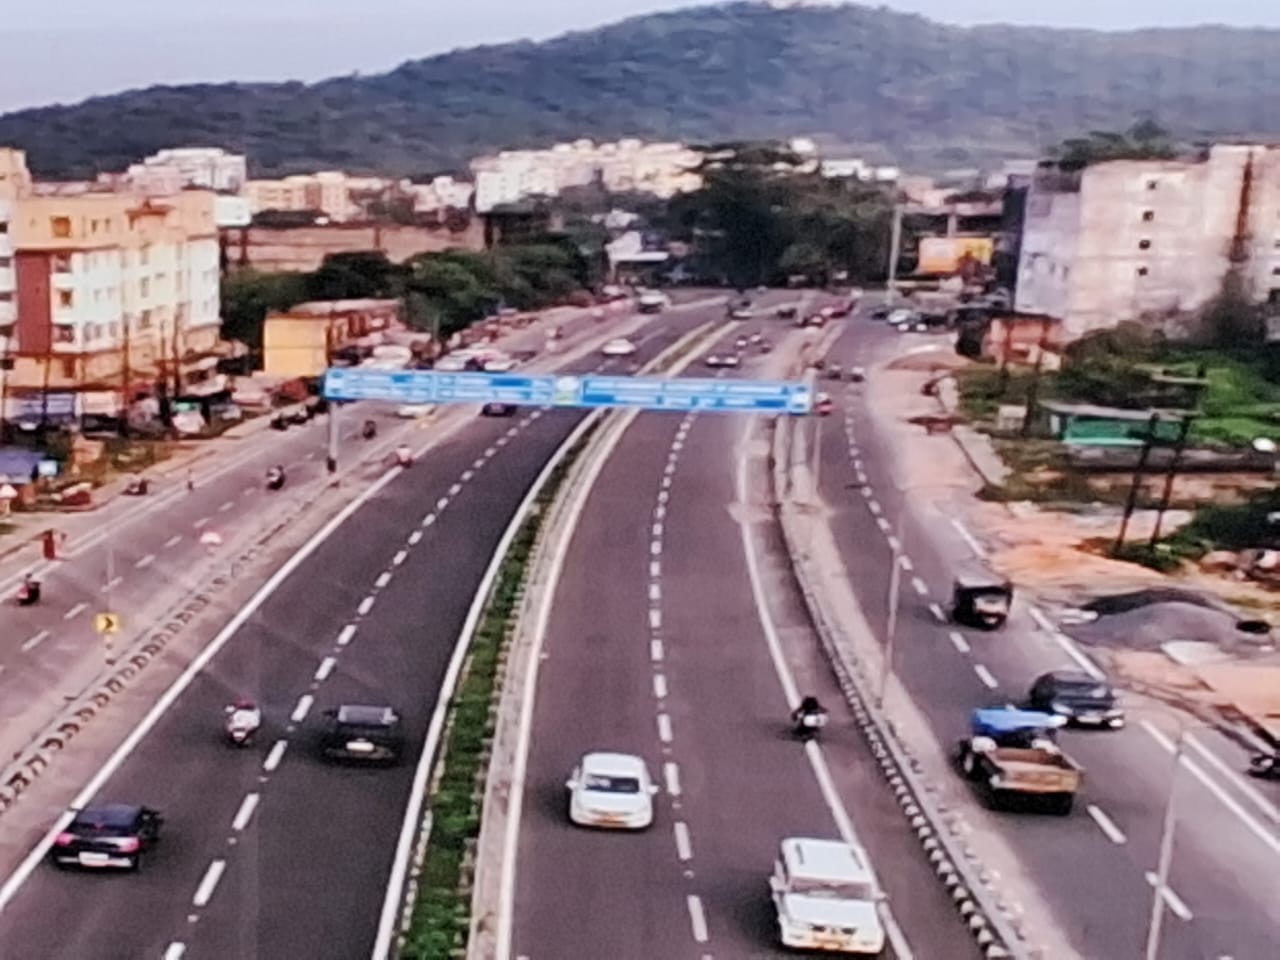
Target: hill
[(893, 86)]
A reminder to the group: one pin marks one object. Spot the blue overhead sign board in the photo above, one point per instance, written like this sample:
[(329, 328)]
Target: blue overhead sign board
[(568, 390)]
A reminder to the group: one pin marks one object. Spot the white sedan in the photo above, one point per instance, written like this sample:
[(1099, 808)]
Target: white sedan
[(621, 347), (611, 790)]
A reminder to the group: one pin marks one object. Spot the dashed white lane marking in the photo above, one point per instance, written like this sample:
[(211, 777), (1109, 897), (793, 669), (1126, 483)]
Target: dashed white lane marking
[(896, 546), (1106, 824), (664, 728), (666, 482), (697, 919), (204, 892), (655, 568), (985, 676), (655, 618), (383, 579), (655, 650), (173, 541), (75, 611), (347, 633), (399, 558), (669, 469), (223, 508), (937, 613), (144, 562), (365, 606), (660, 686), (679, 444), (883, 524), (655, 592), (874, 507), (415, 538), (1171, 899), (513, 431), (657, 529), (684, 844), (664, 496), (303, 708), (32, 642), (958, 641), (860, 477), (656, 547), (325, 668), (1265, 807), (455, 489), (275, 755), (465, 478), (440, 505), (671, 774), (502, 440), (245, 813), (175, 950), (919, 586), (477, 463), (112, 584), (201, 522)]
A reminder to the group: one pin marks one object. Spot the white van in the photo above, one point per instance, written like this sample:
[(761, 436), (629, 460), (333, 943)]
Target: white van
[(826, 897)]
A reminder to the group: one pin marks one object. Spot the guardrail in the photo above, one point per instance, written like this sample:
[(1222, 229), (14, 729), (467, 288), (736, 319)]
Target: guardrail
[(979, 905)]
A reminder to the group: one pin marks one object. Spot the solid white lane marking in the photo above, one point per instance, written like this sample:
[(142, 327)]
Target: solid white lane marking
[(985, 676), (664, 728), (920, 586), (146, 561), (325, 668), (347, 633), (275, 755), (655, 650), (1065, 642), (365, 605), (223, 508), (204, 892), (684, 844), (697, 919), (399, 558), (883, 524), (173, 541), (671, 774), (937, 613), (245, 813), (455, 489), (660, 686), (175, 950), (75, 611), (1106, 824), (655, 592), (1265, 806), (303, 708), (383, 579), (1174, 902), (655, 618), (958, 641), (34, 641), (201, 522), (968, 538), (655, 568), (415, 538)]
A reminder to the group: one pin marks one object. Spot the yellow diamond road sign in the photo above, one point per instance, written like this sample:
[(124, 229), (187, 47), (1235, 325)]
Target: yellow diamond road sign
[(106, 622)]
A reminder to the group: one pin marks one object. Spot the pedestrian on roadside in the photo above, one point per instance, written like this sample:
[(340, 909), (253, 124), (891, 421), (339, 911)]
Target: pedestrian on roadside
[(191, 481)]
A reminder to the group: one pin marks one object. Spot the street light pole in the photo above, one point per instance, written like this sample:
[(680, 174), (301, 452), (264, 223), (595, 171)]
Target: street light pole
[(891, 625), (895, 241), (1166, 853)]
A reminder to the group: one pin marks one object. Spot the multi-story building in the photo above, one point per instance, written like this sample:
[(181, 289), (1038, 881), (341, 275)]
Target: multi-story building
[(442, 193), (108, 294), (330, 192), (169, 171), (1150, 240), (301, 341)]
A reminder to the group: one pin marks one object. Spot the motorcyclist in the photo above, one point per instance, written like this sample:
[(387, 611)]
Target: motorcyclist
[(275, 477), (244, 715), (404, 455), (809, 707), (29, 592), (369, 430)]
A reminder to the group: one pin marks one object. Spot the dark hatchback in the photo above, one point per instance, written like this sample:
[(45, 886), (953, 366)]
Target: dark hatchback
[(1079, 698), (362, 734), (107, 835), (498, 410)]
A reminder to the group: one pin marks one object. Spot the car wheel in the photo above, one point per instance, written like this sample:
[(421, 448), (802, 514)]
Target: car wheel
[(135, 863)]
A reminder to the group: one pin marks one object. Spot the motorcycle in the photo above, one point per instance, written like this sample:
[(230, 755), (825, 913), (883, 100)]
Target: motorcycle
[(809, 723), (275, 478), (137, 487), (241, 726), (404, 456), (369, 430), (1265, 766), (278, 422), (29, 593)]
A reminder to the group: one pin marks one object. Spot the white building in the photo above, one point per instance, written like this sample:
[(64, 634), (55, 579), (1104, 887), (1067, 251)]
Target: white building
[(171, 170), (1149, 240), (442, 193)]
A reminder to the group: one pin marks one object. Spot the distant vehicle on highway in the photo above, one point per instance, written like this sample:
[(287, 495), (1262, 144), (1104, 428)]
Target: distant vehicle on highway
[(108, 835), (652, 301), (412, 411), (621, 347), (611, 790), (451, 363), (825, 896), (823, 405), (786, 313), (741, 343), (1079, 698), (756, 337), (766, 345), (499, 364), (1012, 754), (881, 313), (740, 313), (362, 733), (722, 360), (496, 409)]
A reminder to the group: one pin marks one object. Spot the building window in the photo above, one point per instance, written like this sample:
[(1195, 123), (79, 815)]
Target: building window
[(144, 256), (64, 333), (93, 226), (6, 296), (115, 331), (4, 226), (1142, 271), (145, 322), (60, 226), (65, 298), (1152, 184), (1148, 216), (144, 286), (1144, 244), (69, 367), (1275, 271), (62, 262)]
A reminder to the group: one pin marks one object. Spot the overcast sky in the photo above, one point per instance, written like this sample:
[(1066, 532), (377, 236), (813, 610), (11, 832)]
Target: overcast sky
[(65, 50)]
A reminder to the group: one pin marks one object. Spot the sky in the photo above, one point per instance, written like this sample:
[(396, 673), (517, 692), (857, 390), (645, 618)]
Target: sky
[(101, 48)]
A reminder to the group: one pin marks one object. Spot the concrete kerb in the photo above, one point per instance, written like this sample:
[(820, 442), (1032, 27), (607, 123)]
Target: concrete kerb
[(993, 928)]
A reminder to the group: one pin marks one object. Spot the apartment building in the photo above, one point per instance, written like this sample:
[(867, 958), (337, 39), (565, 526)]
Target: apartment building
[(169, 171), (1150, 240), (104, 296)]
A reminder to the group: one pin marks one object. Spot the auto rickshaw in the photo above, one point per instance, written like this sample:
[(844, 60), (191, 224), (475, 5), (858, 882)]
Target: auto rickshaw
[(981, 598)]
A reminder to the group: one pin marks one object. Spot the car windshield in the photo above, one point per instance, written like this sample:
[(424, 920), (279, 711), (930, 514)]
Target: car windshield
[(89, 829), (601, 783), (831, 889), (1082, 688)]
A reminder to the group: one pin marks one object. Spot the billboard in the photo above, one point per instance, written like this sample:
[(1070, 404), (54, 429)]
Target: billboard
[(943, 255)]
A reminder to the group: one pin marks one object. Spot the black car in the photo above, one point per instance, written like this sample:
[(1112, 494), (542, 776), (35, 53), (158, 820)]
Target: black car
[(880, 313), (107, 835), (1080, 698), (496, 409), (371, 734)]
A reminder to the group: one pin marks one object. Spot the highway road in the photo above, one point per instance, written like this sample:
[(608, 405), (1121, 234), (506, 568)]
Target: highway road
[(669, 640), (1093, 868), (268, 853)]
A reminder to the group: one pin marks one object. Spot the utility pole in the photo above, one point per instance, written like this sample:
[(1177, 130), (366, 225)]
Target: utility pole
[(1033, 389), (895, 241), (1147, 443), (1175, 460)]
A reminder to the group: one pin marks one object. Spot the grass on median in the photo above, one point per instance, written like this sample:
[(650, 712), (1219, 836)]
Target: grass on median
[(440, 918)]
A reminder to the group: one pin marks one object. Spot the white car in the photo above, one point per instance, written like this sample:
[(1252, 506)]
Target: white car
[(621, 347), (826, 897), (722, 360), (651, 301), (499, 365), (412, 411), (611, 790), (452, 363)]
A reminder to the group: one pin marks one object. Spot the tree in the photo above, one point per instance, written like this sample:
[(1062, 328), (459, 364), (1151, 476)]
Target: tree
[(247, 298), (1232, 321), (1145, 140), (355, 276)]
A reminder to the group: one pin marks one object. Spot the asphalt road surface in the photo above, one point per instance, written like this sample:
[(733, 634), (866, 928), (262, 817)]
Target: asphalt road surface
[(655, 646), (1093, 867), (269, 853)]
